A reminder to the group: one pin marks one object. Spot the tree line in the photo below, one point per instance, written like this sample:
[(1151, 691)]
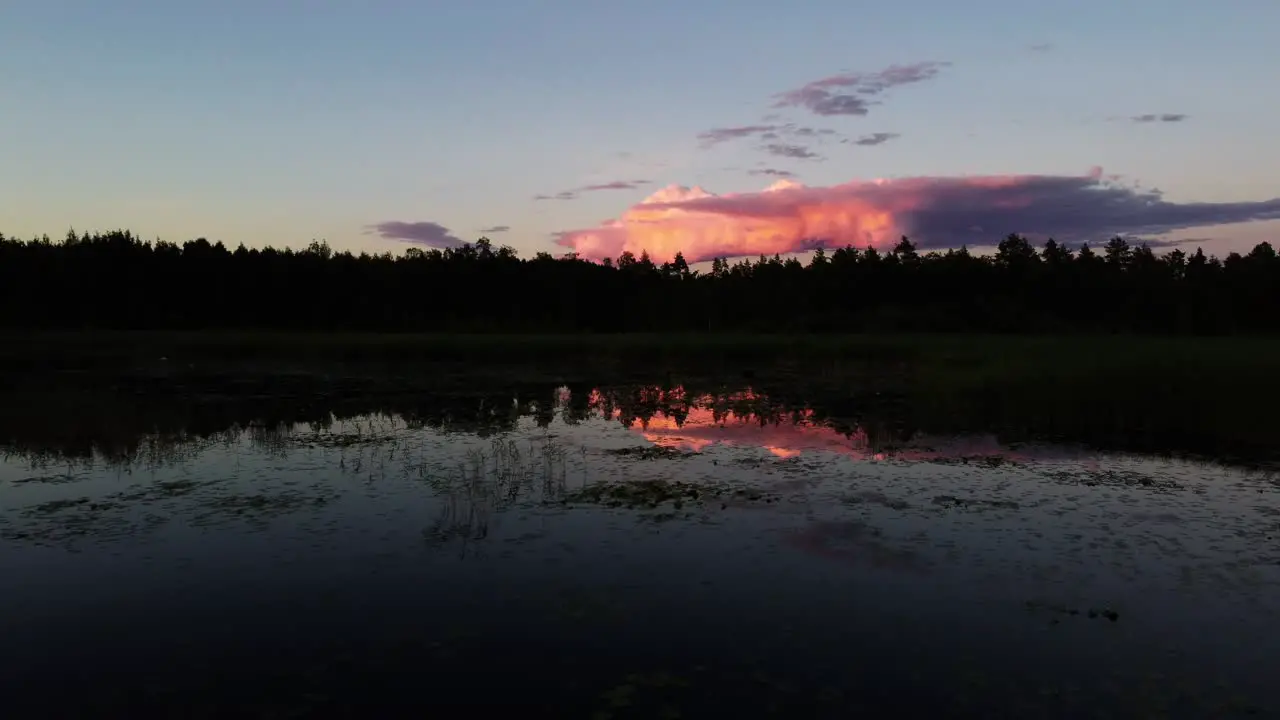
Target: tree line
[(115, 280)]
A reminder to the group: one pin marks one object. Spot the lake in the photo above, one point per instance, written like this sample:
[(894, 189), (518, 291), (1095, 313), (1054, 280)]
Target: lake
[(630, 551)]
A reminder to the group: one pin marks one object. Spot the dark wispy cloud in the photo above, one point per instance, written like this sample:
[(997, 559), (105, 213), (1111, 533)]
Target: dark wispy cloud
[(597, 187), (1156, 242), (494, 229), (807, 132), (1162, 117), (935, 212), (774, 131), (772, 172), (854, 93), (879, 138), (614, 185), (787, 150), (423, 233), (788, 140), (715, 136), (562, 195)]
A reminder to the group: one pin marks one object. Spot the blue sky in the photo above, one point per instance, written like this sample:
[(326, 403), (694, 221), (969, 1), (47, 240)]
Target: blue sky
[(278, 121)]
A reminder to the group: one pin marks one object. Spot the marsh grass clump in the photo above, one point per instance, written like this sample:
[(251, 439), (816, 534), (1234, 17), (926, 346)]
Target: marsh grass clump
[(144, 507), (651, 452), (65, 521), (491, 480), (342, 440), (951, 501), (51, 507), (1114, 478), (991, 461), (875, 497), (650, 494), (376, 430), (1060, 610), (266, 503), (57, 479), (176, 488), (643, 493)]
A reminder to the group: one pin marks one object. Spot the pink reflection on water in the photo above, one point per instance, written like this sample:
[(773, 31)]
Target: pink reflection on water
[(696, 424)]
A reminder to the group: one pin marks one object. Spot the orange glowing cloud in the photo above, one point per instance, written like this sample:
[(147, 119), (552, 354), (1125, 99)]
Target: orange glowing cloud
[(934, 211)]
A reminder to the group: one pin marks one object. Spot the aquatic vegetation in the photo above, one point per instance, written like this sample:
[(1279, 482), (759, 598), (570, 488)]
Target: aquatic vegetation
[(366, 431), (951, 501), (176, 488), (991, 461), (489, 482), (651, 452), (652, 493), (1063, 610), (266, 504), (54, 506), (143, 508), (1114, 478), (875, 497), (60, 479)]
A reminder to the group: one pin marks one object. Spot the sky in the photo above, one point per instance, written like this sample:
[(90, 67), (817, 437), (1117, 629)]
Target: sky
[(597, 127)]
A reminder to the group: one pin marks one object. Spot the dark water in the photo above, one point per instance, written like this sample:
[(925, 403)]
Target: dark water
[(712, 560)]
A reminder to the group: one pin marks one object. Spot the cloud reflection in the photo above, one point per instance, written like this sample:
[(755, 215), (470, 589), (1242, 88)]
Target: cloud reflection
[(671, 419)]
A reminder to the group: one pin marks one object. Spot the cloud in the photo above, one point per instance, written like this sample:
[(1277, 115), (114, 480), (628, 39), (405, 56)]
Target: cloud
[(879, 138), (775, 172), (715, 136), (1164, 118), (935, 212), (574, 193), (1163, 242), (424, 233), (494, 229), (808, 132), (854, 93), (796, 152), (614, 185), (562, 195)]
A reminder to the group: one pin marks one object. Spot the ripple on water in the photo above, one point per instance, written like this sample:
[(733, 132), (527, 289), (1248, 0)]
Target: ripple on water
[(711, 531)]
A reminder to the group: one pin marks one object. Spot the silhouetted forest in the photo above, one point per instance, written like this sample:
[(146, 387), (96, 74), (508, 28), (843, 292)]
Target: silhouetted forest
[(115, 280)]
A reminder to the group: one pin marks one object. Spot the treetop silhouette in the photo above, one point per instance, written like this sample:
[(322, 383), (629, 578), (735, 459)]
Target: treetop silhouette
[(115, 280)]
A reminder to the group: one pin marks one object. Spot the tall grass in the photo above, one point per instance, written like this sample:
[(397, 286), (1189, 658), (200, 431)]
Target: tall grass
[(490, 481)]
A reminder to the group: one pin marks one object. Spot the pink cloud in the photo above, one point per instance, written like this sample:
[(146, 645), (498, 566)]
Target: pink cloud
[(933, 211)]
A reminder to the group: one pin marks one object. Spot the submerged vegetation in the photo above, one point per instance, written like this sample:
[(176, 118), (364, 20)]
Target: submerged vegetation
[(116, 280)]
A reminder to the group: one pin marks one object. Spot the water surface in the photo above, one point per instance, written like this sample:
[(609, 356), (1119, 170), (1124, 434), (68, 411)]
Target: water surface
[(633, 552)]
